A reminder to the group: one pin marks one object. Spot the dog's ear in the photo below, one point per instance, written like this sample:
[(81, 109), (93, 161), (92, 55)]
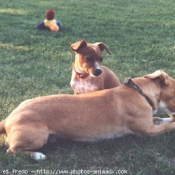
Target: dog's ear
[(78, 45), (159, 75), (103, 46)]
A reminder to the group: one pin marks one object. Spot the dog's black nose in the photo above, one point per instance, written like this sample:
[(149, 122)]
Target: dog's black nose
[(97, 72)]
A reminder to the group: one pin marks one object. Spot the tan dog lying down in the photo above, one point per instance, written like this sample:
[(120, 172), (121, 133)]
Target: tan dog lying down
[(126, 109)]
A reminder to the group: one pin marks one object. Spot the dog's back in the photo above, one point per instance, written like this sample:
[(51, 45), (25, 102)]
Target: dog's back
[(110, 79)]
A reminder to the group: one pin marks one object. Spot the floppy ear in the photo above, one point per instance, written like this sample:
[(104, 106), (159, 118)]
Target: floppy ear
[(159, 75), (78, 45), (103, 46)]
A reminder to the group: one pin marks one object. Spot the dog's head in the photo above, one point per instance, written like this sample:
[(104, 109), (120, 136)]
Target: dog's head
[(167, 90), (89, 57)]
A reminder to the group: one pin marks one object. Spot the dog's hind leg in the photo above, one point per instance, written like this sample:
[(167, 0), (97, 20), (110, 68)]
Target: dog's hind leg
[(34, 155), (27, 139)]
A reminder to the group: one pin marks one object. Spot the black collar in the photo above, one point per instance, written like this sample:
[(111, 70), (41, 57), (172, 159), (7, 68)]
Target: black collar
[(131, 84)]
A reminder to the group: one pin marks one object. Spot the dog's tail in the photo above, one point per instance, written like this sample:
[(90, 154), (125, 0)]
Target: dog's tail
[(2, 127)]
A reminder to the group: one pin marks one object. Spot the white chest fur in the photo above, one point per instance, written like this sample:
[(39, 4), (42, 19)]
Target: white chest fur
[(82, 86), (163, 107)]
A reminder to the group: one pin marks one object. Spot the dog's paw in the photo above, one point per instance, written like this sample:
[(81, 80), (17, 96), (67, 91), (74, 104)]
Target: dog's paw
[(172, 117), (39, 156), (159, 121)]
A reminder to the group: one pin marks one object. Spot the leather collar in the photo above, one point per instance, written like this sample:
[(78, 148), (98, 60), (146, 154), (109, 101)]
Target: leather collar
[(128, 82)]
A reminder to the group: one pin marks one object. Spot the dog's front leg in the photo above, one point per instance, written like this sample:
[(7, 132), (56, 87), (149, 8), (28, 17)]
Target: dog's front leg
[(172, 117), (158, 120), (149, 126), (153, 130)]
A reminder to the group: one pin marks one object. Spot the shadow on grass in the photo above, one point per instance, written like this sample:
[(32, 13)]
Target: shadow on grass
[(113, 154)]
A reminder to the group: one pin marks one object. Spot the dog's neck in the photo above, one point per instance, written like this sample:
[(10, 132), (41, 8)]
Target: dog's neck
[(131, 84), (151, 90)]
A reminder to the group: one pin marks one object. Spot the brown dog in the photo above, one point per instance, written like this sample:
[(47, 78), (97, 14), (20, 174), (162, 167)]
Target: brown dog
[(126, 109), (87, 74)]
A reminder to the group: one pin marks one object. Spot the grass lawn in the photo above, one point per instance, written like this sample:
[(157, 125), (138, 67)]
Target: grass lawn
[(141, 37)]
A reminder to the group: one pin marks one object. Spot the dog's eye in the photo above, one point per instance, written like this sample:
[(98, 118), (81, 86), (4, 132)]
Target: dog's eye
[(89, 59), (101, 59)]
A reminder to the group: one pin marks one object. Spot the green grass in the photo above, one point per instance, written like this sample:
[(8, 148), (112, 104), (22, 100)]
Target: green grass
[(141, 37)]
